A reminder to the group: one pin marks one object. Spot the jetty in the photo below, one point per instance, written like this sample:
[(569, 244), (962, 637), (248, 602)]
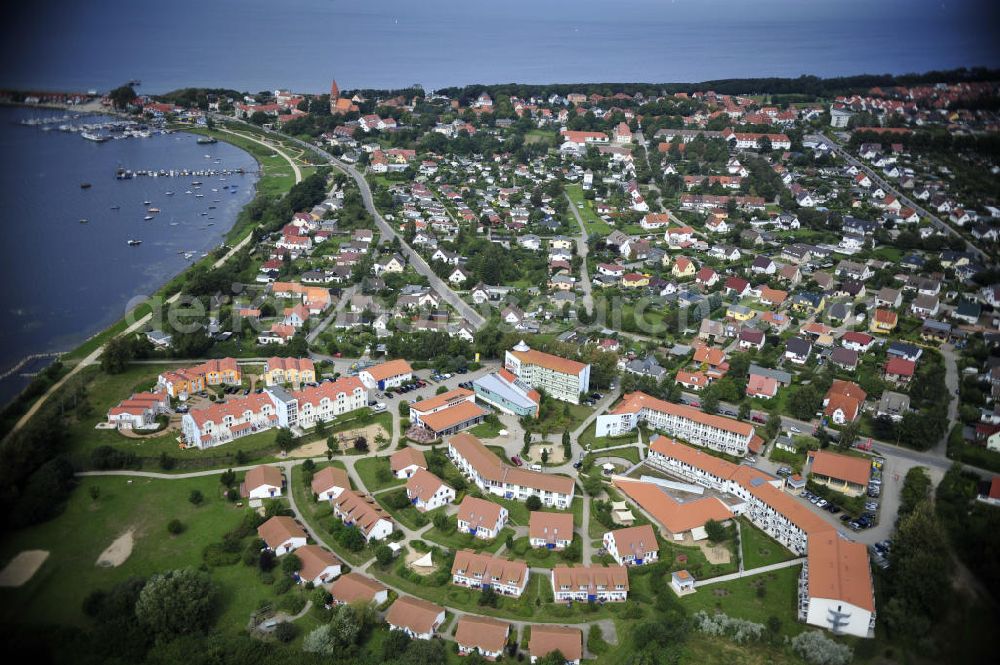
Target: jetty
[(128, 174), (29, 359)]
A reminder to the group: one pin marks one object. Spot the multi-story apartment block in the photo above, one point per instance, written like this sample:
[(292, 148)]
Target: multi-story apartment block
[(725, 435), (835, 588), (492, 475), (560, 378), (326, 401), (222, 422)]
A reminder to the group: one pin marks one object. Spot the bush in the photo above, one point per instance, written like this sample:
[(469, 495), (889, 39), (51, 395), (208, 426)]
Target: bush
[(595, 640), (215, 556), (196, 497), (740, 631), (283, 585), (285, 632), (818, 649), (533, 503), (106, 457), (175, 526), (383, 554)]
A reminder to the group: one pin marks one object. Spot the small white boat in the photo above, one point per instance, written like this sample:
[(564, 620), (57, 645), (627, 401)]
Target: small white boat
[(116, 207), (174, 223), (84, 221), (199, 196), (146, 203), (153, 210), (133, 243), (170, 193), (188, 191), (148, 217)]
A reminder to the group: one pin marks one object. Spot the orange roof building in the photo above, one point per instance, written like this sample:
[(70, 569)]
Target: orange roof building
[(561, 378), (726, 435), (676, 517), (566, 640), (390, 374), (481, 466), (355, 588), (550, 530), (484, 635), (843, 473), (590, 583)]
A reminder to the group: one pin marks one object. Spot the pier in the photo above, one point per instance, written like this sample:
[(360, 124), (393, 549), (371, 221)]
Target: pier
[(128, 174), (28, 359)]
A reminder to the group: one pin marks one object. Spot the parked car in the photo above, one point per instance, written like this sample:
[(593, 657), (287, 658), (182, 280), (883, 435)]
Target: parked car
[(577, 465), (757, 419), (822, 503), (793, 428), (516, 460)]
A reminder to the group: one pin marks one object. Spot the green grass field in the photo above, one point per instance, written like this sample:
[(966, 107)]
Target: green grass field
[(367, 469), (76, 539), (591, 222), (741, 598), (759, 549)]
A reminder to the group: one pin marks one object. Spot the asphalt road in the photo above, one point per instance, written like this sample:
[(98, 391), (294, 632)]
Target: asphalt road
[(388, 233), (888, 187)]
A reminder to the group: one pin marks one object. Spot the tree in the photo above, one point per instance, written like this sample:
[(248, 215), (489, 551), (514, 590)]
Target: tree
[(227, 478), (116, 355), (716, 532), (803, 402), (533, 502), (291, 564), (383, 554), (710, 401), (285, 632), (545, 455), (122, 96), (818, 649), (488, 597), (177, 602), (361, 444), (94, 492), (849, 434), (284, 439), (744, 410), (175, 527), (196, 497)]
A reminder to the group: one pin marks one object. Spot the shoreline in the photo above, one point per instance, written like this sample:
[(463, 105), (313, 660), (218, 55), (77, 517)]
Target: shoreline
[(85, 346)]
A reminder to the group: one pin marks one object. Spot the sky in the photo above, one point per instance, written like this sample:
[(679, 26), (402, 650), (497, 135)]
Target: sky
[(258, 44)]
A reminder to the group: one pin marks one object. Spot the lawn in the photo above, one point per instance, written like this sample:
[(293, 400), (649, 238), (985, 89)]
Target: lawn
[(78, 536), (537, 557), (628, 454), (742, 598), (408, 516), (486, 430), (591, 222), (589, 438), (759, 549), (319, 515), (367, 469), (451, 538)]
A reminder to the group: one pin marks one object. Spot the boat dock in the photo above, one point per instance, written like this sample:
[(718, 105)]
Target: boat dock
[(128, 174)]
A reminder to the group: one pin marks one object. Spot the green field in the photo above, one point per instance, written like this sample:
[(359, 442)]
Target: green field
[(759, 549), (76, 539), (591, 222), (367, 469), (741, 598)]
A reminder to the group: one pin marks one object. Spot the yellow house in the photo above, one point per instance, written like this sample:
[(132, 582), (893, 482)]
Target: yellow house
[(739, 312), (635, 280), (186, 381), (218, 372), (289, 370), (683, 267), (808, 303), (561, 243), (884, 321)]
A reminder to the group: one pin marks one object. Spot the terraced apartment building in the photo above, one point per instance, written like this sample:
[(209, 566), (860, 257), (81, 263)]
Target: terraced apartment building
[(560, 378), (725, 435)]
